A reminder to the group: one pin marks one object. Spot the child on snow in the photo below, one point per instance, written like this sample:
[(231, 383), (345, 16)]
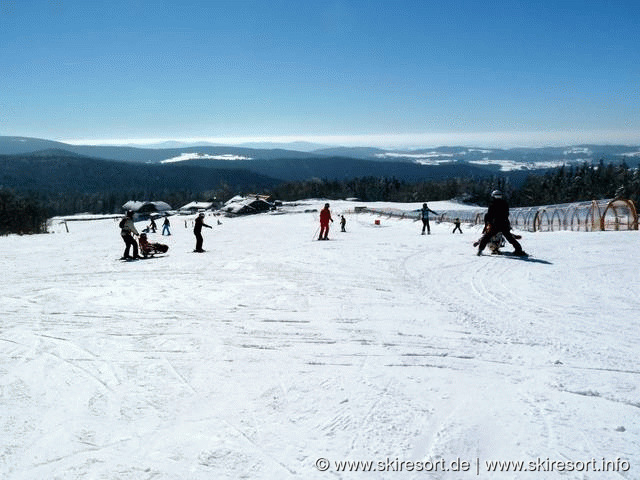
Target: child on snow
[(148, 248), (456, 222)]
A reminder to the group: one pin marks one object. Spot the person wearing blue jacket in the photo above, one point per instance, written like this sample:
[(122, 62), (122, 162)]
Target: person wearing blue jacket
[(424, 214)]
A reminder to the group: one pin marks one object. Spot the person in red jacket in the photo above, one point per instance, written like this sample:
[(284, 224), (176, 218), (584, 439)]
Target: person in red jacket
[(325, 217)]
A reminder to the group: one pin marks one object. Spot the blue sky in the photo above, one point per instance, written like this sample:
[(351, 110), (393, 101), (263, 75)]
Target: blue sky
[(353, 72)]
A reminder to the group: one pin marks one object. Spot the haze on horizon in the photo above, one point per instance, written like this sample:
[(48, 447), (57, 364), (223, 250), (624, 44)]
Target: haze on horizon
[(390, 74), (395, 141)]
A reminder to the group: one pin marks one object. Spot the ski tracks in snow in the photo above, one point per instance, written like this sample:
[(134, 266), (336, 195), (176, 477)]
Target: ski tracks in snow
[(272, 350)]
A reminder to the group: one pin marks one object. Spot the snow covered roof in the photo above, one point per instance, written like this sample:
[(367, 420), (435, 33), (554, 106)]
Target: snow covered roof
[(143, 207), (239, 205), (236, 199), (248, 198), (197, 206)]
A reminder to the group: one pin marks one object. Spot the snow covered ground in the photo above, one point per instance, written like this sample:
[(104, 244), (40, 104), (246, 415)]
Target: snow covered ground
[(275, 356)]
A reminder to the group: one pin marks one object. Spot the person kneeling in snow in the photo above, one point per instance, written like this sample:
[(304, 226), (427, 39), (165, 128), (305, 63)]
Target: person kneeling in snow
[(147, 248)]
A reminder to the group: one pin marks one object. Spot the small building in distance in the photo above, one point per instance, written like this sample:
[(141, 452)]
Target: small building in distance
[(146, 209), (248, 205), (194, 207)]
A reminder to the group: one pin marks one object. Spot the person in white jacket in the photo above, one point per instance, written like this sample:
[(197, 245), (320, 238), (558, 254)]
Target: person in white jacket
[(127, 231)]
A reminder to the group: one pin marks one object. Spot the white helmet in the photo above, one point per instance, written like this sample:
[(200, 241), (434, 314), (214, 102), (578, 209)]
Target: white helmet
[(496, 194)]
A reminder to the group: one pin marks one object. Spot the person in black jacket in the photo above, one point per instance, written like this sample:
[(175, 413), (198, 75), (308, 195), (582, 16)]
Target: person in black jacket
[(497, 221), (197, 229)]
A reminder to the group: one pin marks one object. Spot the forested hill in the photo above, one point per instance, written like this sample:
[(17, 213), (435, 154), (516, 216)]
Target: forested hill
[(24, 145), (495, 159), (36, 186), (61, 171), (344, 168)]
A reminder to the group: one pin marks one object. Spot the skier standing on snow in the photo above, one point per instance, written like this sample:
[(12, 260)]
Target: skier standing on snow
[(165, 226), (325, 216), (197, 229), (424, 214), (343, 223), (456, 222), (497, 221), (127, 230)]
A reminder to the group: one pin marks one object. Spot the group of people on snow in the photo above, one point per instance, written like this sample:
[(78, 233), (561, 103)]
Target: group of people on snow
[(497, 228), (152, 227), (128, 231)]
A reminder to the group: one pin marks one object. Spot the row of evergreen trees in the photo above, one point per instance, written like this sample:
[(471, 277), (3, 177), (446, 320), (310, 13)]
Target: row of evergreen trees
[(21, 214), (579, 183), (27, 213), (562, 185)]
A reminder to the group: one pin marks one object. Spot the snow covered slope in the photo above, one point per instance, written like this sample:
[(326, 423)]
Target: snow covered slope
[(273, 352)]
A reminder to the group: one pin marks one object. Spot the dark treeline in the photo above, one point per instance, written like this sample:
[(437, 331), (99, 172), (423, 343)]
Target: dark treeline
[(579, 183), (24, 211), (20, 213), (370, 189), (27, 212), (69, 203)]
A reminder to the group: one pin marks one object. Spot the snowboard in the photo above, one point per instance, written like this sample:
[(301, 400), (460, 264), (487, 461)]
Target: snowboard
[(131, 259), (511, 254), (525, 258), (498, 253)]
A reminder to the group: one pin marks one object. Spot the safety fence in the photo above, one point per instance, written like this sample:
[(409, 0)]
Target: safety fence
[(596, 215)]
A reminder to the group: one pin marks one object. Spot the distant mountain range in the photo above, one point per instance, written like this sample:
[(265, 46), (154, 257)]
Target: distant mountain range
[(45, 164), (492, 158)]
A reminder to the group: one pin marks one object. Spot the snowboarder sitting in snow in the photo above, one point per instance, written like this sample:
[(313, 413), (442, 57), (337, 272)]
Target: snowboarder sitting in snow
[(325, 216), (147, 248), (497, 240), (497, 221)]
